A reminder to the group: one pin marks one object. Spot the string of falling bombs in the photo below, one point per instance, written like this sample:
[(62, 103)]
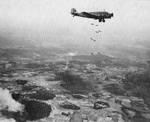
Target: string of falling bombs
[(93, 39)]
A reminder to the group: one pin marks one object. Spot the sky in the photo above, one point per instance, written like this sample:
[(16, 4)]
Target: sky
[(47, 22)]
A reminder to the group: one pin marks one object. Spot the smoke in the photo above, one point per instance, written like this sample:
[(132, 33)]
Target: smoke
[(6, 120), (72, 54), (6, 101), (145, 44), (69, 58)]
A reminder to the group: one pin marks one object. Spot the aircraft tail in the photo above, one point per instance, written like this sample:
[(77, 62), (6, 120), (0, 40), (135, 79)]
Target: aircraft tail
[(73, 11)]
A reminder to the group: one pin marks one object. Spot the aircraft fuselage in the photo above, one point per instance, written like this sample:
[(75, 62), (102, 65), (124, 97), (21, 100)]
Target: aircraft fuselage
[(101, 15)]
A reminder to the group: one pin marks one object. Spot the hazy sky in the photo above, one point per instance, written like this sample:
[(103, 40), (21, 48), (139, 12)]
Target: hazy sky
[(49, 21)]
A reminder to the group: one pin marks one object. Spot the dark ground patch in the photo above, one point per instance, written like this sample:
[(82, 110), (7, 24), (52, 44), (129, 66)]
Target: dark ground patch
[(138, 83), (114, 89), (41, 94), (78, 96), (33, 110), (74, 83), (28, 88), (36, 110), (101, 105), (139, 118), (21, 82), (3, 81), (15, 115), (68, 105)]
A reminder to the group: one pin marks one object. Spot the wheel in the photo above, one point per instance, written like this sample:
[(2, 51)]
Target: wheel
[(103, 20), (100, 20)]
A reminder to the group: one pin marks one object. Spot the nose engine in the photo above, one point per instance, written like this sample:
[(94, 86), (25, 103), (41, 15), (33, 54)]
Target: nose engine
[(73, 10)]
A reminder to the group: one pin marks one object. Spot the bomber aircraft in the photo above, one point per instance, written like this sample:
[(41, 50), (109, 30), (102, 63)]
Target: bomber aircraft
[(99, 15)]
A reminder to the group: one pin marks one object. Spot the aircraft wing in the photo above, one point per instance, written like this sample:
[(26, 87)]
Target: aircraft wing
[(89, 15)]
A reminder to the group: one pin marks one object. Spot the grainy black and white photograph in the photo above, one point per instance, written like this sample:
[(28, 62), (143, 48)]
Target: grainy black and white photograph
[(74, 61)]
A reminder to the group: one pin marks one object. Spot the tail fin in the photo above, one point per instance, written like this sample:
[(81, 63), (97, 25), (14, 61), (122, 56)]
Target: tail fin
[(73, 11)]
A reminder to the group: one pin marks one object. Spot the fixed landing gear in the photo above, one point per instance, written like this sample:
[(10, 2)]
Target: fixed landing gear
[(101, 20)]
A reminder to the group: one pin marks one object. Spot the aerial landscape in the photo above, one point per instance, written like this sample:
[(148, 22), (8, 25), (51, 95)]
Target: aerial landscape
[(60, 65)]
